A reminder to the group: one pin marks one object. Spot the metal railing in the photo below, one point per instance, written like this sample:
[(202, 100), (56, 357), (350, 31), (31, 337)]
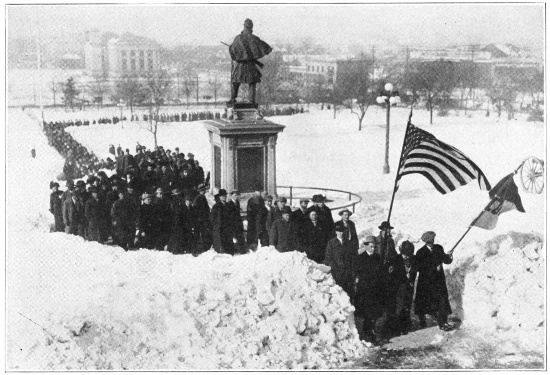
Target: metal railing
[(351, 203)]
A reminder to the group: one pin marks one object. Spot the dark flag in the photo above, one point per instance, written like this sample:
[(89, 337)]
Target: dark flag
[(504, 197), (443, 165)]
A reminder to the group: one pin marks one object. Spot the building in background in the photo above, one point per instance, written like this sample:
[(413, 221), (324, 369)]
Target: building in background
[(111, 56)]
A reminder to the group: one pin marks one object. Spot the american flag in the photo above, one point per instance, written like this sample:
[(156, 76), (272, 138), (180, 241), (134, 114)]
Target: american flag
[(446, 167)]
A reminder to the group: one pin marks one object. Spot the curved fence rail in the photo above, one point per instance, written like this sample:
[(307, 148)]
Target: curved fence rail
[(298, 192)]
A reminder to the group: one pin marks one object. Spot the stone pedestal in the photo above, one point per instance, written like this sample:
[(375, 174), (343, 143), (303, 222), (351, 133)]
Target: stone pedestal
[(243, 151)]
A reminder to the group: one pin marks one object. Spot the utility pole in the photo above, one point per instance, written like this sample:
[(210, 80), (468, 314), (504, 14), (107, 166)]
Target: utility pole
[(39, 66)]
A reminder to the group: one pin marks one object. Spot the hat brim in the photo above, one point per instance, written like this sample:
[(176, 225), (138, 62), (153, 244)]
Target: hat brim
[(382, 228)]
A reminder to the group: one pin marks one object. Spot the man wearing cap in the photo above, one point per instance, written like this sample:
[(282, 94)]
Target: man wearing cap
[(56, 207), (339, 257), (368, 287), (281, 235), (245, 52), (431, 291), (203, 228), (224, 238), (93, 214), (350, 232), (300, 218)]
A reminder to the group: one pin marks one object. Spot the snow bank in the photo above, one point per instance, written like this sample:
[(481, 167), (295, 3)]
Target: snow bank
[(506, 291), (102, 308)]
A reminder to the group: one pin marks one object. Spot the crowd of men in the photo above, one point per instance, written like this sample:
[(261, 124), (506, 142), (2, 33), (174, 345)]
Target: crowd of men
[(79, 161), (381, 282)]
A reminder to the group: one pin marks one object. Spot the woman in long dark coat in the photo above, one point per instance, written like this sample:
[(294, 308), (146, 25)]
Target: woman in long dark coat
[(432, 296)]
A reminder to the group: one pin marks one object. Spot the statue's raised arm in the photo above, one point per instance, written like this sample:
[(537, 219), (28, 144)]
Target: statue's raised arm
[(245, 52)]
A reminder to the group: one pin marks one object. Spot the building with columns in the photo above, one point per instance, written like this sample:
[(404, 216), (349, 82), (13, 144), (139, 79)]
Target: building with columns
[(111, 56)]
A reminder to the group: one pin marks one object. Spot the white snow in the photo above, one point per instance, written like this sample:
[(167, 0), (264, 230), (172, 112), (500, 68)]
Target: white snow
[(143, 302)]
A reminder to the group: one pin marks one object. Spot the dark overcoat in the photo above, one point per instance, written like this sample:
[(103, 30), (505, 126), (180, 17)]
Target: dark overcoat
[(222, 228), (256, 216), (369, 288), (180, 232), (56, 209), (339, 257), (350, 233), (73, 216), (281, 236), (431, 291), (245, 50), (93, 211), (315, 241)]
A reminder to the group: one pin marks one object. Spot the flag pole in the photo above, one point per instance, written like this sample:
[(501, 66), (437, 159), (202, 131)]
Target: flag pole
[(478, 216), (471, 225), (400, 158)]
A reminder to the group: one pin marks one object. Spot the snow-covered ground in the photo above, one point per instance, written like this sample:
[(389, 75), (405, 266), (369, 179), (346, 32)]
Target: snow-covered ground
[(107, 296)]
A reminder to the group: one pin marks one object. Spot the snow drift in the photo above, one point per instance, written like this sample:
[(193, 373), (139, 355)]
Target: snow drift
[(101, 308), (505, 293)]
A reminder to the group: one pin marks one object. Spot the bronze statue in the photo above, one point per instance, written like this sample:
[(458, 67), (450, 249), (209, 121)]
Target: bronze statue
[(245, 52)]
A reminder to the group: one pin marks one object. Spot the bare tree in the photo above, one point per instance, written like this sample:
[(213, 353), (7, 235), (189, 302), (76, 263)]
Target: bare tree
[(355, 89), (70, 93), (157, 88), (189, 83), (215, 84), (131, 90)]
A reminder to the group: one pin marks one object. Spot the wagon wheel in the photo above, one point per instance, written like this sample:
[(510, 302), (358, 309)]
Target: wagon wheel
[(532, 175)]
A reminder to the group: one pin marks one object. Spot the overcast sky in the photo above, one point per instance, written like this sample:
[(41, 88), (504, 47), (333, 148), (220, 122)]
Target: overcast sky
[(367, 24)]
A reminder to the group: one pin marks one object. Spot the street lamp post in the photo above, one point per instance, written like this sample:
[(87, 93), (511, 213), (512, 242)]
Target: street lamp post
[(388, 97), (121, 105)]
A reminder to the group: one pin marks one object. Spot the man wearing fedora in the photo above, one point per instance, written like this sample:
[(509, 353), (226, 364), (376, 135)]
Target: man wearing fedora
[(368, 287), (339, 257), (316, 237), (350, 232), (123, 221), (391, 277), (224, 238), (324, 213), (432, 296), (256, 216), (178, 243)]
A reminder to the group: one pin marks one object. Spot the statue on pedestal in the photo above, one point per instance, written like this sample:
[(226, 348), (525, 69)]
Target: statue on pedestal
[(245, 52)]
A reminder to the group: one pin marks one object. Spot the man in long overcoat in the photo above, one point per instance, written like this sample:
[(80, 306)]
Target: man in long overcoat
[(124, 221), (73, 215), (93, 211), (56, 207), (348, 226), (282, 234), (236, 220), (407, 267), (431, 291), (224, 236), (255, 212), (163, 217), (368, 287), (339, 257), (203, 227), (146, 223), (178, 242), (245, 52), (316, 238)]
